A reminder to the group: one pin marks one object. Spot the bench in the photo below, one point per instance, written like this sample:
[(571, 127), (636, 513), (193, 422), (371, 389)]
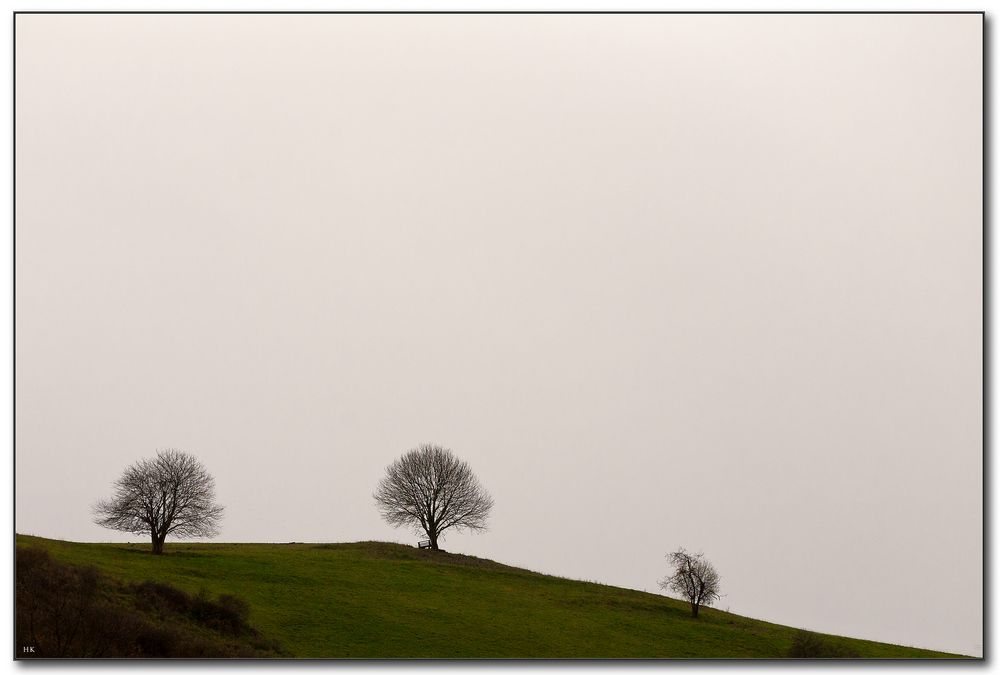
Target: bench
[(424, 544)]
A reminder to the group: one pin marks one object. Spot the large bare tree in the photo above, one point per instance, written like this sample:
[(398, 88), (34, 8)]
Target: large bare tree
[(431, 490), (170, 494), (694, 578)]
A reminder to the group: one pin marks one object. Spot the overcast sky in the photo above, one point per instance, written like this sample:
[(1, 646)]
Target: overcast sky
[(671, 280)]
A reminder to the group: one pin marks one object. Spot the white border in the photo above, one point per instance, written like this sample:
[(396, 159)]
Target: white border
[(6, 256)]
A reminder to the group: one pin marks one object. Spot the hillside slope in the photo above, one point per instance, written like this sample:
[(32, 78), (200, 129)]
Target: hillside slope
[(374, 599)]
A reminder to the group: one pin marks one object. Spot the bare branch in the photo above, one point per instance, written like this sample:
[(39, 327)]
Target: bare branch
[(171, 493), (431, 490), (694, 578)]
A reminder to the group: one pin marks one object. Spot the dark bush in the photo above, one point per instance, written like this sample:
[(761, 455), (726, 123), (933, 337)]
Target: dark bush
[(235, 608), (157, 640), (807, 645), (76, 612), (55, 604), (163, 596), (228, 614)]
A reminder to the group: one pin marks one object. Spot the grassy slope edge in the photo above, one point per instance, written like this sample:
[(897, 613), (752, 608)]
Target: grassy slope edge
[(373, 599)]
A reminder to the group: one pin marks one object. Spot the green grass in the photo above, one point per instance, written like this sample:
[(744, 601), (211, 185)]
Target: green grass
[(373, 599)]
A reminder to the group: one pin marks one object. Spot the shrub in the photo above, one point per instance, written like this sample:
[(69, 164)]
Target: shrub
[(162, 596), (807, 645), (228, 614), (76, 612), (55, 604)]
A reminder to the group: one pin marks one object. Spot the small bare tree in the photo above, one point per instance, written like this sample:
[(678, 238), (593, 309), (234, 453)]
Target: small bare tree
[(431, 490), (171, 494), (694, 578)]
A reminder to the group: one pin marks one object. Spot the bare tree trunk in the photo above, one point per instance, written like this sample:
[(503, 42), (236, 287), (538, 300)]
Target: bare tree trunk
[(434, 540), (694, 609), (157, 544)]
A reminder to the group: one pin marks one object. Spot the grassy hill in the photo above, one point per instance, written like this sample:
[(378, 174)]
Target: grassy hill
[(374, 599)]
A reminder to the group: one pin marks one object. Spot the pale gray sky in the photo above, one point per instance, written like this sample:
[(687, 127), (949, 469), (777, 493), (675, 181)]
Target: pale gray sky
[(663, 280)]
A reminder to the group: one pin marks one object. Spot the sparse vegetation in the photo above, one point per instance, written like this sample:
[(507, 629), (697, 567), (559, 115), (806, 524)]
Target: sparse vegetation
[(808, 645)]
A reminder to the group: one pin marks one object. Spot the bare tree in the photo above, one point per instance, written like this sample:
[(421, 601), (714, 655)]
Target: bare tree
[(171, 494), (694, 578), (431, 490)]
